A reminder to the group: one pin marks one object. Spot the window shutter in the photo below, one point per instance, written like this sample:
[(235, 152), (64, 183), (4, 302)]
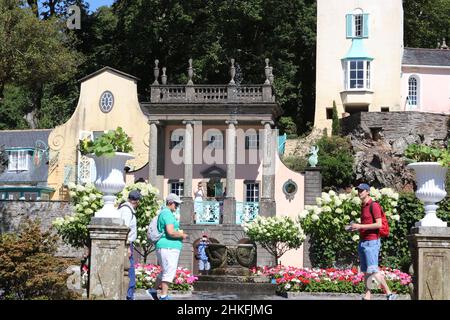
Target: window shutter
[(365, 25), (349, 24)]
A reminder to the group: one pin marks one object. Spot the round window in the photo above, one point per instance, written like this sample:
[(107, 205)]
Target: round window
[(106, 101), (289, 189)]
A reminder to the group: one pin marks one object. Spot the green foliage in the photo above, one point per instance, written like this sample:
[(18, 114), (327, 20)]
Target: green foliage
[(295, 163), (147, 209), (424, 153), (336, 161), (28, 267), (276, 234), (426, 22), (86, 200), (288, 126), (107, 144), (395, 250), (336, 126), (331, 245)]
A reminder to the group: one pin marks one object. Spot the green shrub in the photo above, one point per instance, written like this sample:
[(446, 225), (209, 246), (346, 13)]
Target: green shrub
[(28, 267), (395, 250), (336, 161), (330, 244), (295, 163), (288, 126), (275, 234), (335, 126), (107, 144)]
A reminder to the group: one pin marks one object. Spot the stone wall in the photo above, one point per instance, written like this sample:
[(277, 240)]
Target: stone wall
[(12, 214), (396, 125)]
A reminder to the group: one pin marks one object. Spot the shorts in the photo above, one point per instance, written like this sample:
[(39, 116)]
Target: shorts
[(368, 251), (168, 260), (204, 265)]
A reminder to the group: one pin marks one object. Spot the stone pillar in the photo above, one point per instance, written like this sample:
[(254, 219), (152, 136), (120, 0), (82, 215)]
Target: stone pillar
[(229, 204), (153, 152), (267, 203), (108, 266), (187, 207), (430, 251), (313, 189)]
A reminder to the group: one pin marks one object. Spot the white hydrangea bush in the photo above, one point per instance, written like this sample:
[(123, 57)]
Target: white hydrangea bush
[(325, 222)]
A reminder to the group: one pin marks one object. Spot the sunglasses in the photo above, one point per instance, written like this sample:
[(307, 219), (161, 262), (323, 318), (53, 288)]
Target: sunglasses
[(361, 190)]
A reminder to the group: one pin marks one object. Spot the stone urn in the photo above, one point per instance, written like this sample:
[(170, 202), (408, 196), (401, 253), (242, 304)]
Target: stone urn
[(110, 181), (430, 180)]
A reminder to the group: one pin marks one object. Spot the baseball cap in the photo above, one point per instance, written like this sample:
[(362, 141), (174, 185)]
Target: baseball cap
[(172, 197), (134, 195), (363, 186)]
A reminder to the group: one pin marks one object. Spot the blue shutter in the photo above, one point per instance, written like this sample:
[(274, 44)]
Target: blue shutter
[(349, 22), (365, 25)]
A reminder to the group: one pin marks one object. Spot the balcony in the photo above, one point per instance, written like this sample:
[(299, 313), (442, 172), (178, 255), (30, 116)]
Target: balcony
[(357, 97)]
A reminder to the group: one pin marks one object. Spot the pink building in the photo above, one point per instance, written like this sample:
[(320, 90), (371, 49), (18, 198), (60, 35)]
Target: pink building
[(425, 80)]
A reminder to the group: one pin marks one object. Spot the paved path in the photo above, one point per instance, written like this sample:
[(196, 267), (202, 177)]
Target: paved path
[(203, 295)]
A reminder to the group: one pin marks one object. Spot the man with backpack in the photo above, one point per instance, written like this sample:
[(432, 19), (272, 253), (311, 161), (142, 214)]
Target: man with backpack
[(168, 246), (127, 211), (370, 228)]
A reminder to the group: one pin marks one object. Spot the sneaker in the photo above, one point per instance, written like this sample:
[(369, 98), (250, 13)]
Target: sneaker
[(152, 293), (165, 298), (391, 296)]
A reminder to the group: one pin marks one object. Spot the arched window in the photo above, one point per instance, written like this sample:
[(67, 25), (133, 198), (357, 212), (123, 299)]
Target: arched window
[(413, 91), (357, 24)]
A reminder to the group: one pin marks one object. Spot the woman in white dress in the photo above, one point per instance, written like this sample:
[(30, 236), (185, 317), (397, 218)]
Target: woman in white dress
[(198, 201)]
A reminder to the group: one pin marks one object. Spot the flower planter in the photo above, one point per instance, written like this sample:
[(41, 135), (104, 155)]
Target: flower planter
[(110, 181), (430, 179)]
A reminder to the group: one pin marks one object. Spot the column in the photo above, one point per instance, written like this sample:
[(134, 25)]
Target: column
[(153, 152), (312, 190), (267, 204), (108, 259), (229, 204), (187, 207), (430, 252)]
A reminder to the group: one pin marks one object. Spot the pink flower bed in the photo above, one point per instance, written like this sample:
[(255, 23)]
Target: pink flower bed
[(146, 276), (329, 280)]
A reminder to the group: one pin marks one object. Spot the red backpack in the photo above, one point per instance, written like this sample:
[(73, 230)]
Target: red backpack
[(384, 230)]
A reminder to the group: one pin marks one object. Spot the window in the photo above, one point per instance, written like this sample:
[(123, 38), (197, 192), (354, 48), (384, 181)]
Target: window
[(358, 74), (106, 101), (177, 188), (215, 139), (251, 141), (176, 140), (252, 192), (413, 86), (357, 24), (329, 113), (18, 160), (384, 109), (86, 170)]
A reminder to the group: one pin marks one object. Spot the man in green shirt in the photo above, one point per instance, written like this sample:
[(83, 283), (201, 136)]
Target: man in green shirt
[(168, 248)]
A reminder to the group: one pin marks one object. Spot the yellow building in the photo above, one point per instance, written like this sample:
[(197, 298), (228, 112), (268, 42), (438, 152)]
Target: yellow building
[(108, 99), (359, 57)]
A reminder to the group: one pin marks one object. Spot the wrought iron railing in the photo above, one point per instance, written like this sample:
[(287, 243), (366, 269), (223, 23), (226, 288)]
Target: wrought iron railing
[(208, 212), (246, 211)]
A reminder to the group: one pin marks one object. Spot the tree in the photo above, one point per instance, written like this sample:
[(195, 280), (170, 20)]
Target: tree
[(426, 22), (28, 266), (336, 126), (275, 234), (336, 161), (30, 59)]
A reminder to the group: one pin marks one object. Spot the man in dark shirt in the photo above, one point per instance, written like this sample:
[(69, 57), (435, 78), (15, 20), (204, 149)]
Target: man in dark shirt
[(369, 241)]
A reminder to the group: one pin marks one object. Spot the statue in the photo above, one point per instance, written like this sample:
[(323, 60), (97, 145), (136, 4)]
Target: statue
[(313, 159)]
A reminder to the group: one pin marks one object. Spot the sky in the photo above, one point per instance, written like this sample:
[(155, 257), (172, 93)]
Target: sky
[(94, 4)]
